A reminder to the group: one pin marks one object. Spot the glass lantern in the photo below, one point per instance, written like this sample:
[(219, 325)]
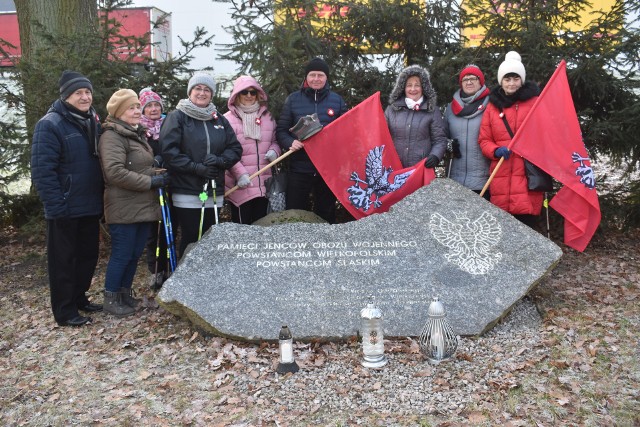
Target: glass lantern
[(438, 342), (372, 336), (286, 362)]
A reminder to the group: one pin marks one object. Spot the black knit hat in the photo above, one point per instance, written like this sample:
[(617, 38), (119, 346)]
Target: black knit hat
[(71, 81), (316, 64)]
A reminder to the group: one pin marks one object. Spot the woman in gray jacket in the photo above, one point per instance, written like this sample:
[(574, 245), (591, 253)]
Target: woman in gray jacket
[(414, 120), (462, 120)]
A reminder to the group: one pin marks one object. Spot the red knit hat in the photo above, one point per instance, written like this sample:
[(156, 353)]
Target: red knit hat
[(474, 70)]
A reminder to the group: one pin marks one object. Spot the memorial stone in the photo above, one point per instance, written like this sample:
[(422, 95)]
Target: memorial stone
[(443, 240)]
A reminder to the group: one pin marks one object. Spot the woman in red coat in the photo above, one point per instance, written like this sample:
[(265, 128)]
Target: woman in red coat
[(513, 99)]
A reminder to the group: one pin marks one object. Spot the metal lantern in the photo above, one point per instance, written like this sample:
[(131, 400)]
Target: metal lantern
[(372, 336), (285, 345), (438, 341)]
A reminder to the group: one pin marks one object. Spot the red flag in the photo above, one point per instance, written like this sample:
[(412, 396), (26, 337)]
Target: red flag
[(357, 159), (550, 138)]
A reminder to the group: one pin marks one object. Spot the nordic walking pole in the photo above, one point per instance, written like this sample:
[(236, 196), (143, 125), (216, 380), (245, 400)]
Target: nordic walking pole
[(215, 200), (275, 162), (168, 232), (546, 207), (171, 244), (493, 174), (203, 197), (155, 272)]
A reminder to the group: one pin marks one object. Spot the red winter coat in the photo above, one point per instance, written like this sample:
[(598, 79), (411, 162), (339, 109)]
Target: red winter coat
[(253, 151), (509, 187)]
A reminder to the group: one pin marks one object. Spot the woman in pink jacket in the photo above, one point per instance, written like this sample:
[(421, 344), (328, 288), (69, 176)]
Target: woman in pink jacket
[(512, 100), (255, 129)]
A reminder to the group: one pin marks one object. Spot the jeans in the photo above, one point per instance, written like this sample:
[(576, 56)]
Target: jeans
[(127, 243)]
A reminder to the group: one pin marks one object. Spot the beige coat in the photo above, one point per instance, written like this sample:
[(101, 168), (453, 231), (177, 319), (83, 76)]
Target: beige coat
[(127, 165)]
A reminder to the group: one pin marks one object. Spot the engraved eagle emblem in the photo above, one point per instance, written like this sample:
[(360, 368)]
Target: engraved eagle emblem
[(470, 243), (375, 183)]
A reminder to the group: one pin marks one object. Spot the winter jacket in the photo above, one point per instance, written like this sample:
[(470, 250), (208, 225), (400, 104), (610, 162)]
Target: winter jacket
[(418, 133), (185, 140), (253, 151), (65, 168), (326, 103), (509, 187), (127, 164), (472, 168)]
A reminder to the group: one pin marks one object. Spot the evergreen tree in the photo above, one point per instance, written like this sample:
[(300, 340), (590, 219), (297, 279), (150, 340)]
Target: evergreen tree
[(602, 66), (92, 48)]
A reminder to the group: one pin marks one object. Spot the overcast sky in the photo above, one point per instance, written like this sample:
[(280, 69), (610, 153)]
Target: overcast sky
[(186, 15)]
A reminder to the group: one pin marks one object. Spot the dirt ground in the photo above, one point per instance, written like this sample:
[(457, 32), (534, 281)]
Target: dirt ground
[(155, 369)]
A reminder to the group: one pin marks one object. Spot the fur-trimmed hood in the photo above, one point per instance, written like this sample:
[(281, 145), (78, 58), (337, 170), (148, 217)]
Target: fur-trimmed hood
[(430, 97)]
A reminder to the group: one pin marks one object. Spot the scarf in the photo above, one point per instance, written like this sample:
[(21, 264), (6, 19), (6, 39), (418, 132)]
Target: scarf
[(195, 112), (250, 121), (152, 126), (465, 106), (86, 121), (413, 105)]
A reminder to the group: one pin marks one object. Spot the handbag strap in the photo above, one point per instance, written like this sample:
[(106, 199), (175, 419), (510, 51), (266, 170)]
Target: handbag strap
[(506, 123)]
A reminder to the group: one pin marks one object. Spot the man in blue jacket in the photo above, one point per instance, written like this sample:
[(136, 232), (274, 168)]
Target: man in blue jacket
[(66, 172), (303, 178)]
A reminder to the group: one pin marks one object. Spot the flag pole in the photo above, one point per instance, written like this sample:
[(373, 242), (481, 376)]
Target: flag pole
[(493, 174), (276, 161)]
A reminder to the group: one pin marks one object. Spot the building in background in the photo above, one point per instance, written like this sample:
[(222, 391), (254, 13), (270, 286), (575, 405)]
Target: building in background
[(474, 36), (136, 21)]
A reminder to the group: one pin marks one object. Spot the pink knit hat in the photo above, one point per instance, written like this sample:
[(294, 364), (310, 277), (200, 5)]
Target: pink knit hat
[(147, 96)]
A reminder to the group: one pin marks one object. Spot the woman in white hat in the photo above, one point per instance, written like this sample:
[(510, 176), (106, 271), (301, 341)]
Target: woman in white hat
[(511, 100)]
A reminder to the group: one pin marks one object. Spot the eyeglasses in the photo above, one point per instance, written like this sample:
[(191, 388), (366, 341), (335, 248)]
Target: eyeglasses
[(203, 89), (470, 80), (249, 92)]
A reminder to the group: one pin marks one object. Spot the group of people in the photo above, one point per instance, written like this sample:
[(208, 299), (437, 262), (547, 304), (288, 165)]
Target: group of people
[(84, 169), (480, 123)]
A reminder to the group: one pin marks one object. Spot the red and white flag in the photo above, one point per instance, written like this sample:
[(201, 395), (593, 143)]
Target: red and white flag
[(550, 138), (357, 159)]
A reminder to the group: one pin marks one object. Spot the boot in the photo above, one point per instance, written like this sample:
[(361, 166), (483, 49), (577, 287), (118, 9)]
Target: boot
[(113, 304), (128, 299)]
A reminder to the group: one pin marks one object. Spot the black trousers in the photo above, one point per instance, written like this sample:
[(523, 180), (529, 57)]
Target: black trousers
[(299, 188), (189, 223), (250, 211), (72, 256)]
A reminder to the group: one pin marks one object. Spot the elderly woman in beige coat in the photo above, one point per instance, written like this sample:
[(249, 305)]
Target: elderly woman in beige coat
[(130, 201)]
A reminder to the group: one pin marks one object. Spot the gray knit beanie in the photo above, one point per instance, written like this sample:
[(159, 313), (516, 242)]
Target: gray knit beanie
[(201, 79)]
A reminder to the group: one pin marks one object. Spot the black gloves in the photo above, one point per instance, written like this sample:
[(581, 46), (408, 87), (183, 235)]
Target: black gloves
[(502, 152), (209, 172), (213, 160), (432, 161), (455, 148), (161, 180), (157, 161)]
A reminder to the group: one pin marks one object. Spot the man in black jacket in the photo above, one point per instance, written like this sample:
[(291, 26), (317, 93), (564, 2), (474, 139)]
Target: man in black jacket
[(303, 178), (66, 172)]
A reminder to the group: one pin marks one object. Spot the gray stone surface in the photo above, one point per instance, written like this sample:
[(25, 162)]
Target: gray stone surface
[(443, 240)]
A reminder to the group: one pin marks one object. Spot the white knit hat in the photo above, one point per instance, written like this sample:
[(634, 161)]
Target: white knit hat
[(512, 64), (201, 79)]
